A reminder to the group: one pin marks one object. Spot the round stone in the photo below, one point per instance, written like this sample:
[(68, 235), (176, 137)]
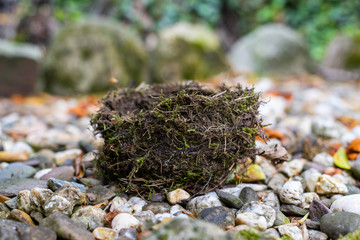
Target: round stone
[(328, 185), (339, 223), (292, 193), (124, 220), (350, 203), (89, 216), (177, 196), (251, 220)]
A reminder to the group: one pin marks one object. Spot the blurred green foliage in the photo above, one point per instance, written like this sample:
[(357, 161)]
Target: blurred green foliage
[(317, 20)]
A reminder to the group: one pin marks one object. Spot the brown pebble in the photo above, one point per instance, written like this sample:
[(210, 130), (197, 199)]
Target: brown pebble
[(21, 216)]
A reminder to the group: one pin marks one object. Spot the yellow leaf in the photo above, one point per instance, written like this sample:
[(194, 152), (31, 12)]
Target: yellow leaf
[(341, 160), (254, 173)]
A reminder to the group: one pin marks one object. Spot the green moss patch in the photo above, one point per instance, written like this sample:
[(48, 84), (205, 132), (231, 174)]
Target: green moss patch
[(178, 135)]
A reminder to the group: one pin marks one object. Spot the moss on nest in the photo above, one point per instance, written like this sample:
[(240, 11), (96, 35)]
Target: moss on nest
[(177, 135)]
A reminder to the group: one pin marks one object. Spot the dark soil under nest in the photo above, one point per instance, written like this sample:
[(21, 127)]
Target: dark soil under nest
[(164, 137)]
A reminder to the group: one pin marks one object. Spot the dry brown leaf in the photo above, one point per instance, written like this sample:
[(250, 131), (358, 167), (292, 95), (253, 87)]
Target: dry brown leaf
[(3, 199), (271, 133), (276, 154), (332, 171), (110, 216), (353, 149)]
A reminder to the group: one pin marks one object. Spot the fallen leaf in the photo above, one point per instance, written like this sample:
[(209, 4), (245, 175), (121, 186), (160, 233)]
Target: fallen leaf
[(348, 122), (332, 171), (99, 205), (254, 173), (3, 199), (85, 107), (334, 147), (110, 216), (353, 149), (341, 160), (271, 133), (113, 80), (287, 95), (276, 154)]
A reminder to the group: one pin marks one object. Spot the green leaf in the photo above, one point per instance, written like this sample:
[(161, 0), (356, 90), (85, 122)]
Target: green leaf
[(341, 160)]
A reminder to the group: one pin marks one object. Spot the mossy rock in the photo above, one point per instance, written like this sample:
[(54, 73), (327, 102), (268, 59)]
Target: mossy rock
[(84, 55), (272, 49), (179, 135), (187, 52)]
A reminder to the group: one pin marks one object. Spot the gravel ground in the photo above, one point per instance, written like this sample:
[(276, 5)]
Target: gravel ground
[(49, 187)]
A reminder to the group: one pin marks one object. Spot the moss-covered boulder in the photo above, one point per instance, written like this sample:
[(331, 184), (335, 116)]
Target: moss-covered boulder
[(273, 49), (179, 135), (83, 57), (187, 52)]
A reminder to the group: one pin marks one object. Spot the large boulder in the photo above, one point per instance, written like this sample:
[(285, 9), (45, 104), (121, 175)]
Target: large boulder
[(342, 58), (85, 55), (187, 51), (273, 49), (19, 68)]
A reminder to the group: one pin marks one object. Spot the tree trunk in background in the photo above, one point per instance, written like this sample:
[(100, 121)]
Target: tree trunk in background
[(8, 18)]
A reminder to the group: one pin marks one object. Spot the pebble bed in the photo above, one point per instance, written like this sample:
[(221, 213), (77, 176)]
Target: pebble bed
[(49, 186)]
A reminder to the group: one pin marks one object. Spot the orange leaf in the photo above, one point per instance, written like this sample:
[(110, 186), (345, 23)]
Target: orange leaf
[(349, 122), (3, 199), (110, 216), (334, 148), (354, 146), (352, 156), (113, 80), (287, 95), (271, 133), (332, 171)]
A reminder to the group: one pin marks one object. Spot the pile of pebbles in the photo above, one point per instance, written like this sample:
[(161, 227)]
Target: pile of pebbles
[(49, 185)]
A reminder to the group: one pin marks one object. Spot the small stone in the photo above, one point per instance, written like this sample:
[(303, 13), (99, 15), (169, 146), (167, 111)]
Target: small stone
[(102, 194), (117, 204), (89, 216), (65, 227), (350, 203), (37, 216), (267, 167), (324, 159), (61, 157), (251, 220), (124, 220), (38, 197), (177, 209), (221, 216), (311, 177), (317, 210), (309, 198), (12, 203), (271, 233), (21, 216), (317, 235), (260, 209), (291, 231), (103, 233), (312, 224), (65, 173), (54, 184), (280, 218), (200, 203), (247, 194), (292, 193), (179, 229), (17, 170), (177, 196), (128, 234), (293, 167), (160, 217), (355, 169), (327, 202), (44, 161), (276, 182), (270, 198), (232, 190), (146, 219), (352, 189), (23, 201), (86, 146), (4, 211), (42, 172), (134, 205), (73, 194), (11, 187), (256, 187), (12, 229), (328, 185), (339, 224), (57, 204), (229, 200), (21, 147), (293, 210)]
